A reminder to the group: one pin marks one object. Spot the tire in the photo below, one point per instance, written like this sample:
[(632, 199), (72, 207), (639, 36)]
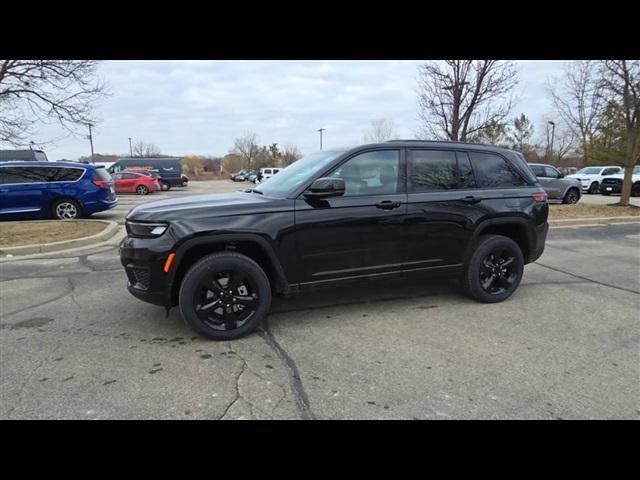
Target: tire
[(594, 188), (66, 209), (220, 322), (635, 190), (571, 197), (165, 187), (142, 190), (492, 288)]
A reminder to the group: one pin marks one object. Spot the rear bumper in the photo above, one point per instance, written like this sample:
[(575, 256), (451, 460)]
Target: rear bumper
[(540, 240), (100, 205)]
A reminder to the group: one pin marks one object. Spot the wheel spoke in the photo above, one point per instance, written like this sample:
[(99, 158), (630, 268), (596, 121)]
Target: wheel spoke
[(247, 301), (235, 279), (230, 319), (205, 308), (507, 262), (214, 286)]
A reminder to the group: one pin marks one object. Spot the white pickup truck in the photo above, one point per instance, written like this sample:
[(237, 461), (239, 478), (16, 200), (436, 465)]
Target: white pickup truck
[(591, 177), (613, 183)]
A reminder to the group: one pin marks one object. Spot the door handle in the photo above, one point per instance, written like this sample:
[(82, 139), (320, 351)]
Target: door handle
[(471, 199), (388, 205)]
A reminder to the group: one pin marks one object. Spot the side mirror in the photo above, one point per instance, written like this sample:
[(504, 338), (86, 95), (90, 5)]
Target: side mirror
[(325, 187)]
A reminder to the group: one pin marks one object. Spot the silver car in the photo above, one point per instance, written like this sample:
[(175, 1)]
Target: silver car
[(557, 186)]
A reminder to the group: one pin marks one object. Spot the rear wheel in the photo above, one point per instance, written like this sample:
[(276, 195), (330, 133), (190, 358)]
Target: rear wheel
[(142, 190), (164, 186), (571, 197), (224, 296), (594, 188), (494, 270), (66, 209)]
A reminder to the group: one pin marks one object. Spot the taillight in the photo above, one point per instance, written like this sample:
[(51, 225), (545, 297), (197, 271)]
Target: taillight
[(101, 183), (540, 196)]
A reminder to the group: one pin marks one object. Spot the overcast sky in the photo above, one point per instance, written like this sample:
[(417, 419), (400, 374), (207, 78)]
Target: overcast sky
[(199, 107)]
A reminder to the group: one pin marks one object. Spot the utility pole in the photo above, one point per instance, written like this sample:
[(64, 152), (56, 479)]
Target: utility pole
[(130, 147), (553, 132), (91, 141), (321, 130)]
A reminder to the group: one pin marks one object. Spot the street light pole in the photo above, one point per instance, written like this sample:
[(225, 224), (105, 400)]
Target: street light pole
[(321, 130), (553, 132), (91, 141), (130, 147)]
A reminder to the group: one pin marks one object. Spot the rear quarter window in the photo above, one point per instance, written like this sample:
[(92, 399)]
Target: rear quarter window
[(493, 171)]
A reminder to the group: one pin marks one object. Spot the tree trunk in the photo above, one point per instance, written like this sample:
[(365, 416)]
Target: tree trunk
[(626, 183)]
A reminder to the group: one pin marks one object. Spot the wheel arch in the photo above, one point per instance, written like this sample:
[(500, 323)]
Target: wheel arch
[(515, 228), (252, 245)]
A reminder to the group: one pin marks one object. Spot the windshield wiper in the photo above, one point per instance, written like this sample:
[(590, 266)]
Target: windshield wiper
[(253, 190)]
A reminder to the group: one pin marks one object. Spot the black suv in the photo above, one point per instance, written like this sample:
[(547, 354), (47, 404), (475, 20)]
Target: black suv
[(400, 208)]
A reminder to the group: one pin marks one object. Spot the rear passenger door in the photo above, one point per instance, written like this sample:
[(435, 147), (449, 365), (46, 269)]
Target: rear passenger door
[(443, 199), (23, 190)]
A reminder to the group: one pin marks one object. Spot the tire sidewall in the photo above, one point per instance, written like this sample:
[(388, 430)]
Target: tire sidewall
[(221, 262), (472, 269), (144, 189)]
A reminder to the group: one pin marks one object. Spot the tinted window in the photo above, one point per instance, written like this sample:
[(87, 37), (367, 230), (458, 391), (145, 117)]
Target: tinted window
[(40, 174), (101, 174), (370, 173), (493, 171), (610, 171), (537, 170), (590, 171), (439, 170)]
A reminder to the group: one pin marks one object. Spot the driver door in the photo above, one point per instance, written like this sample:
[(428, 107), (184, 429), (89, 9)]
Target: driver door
[(357, 234)]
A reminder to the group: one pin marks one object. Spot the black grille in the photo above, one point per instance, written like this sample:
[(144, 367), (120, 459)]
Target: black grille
[(139, 277), (611, 181)]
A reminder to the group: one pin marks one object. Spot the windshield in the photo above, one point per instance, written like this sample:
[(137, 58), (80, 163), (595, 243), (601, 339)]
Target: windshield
[(590, 171), (298, 172)]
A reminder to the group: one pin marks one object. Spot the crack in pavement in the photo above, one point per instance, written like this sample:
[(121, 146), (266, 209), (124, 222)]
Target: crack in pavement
[(238, 395), (302, 400), (55, 299), (588, 279)]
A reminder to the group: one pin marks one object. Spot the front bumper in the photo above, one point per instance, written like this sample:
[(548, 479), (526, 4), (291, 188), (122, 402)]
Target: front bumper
[(143, 260), (610, 188)]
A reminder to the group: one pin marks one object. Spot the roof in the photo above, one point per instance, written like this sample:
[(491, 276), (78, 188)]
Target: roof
[(18, 154), (142, 159), (47, 164), (447, 143)]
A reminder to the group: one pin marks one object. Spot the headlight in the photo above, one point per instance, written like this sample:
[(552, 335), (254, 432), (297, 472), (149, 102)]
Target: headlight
[(146, 230)]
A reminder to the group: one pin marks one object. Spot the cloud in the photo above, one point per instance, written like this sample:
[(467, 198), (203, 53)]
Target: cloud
[(201, 106)]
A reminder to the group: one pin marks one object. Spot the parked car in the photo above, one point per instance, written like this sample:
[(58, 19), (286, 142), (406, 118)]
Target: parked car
[(62, 190), (169, 169), (557, 186), (23, 155), (591, 177), (242, 175), (266, 174), (133, 182), (253, 177), (339, 216), (613, 183)]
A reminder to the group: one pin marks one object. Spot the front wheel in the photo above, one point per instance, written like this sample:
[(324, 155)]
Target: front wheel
[(571, 197), (224, 296), (66, 210), (635, 190), (164, 186), (494, 270), (594, 188)]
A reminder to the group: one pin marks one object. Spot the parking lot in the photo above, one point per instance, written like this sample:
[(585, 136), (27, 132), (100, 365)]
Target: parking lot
[(74, 344)]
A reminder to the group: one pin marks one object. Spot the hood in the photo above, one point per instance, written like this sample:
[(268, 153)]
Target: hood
[(211, 205)]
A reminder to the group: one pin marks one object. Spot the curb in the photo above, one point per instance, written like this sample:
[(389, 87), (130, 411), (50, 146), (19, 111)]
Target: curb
[(593, 221), (111, 229)]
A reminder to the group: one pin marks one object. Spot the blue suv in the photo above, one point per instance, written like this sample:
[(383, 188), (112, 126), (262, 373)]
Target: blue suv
[(59, 190)]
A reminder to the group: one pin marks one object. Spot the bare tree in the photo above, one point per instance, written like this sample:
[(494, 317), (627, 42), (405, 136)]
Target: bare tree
[(380, 131), (247, 148), (521, 133), (142, 149), (564, 142), (620, 82), (42, 91), (577, 101), (459, 98), (290, 154)]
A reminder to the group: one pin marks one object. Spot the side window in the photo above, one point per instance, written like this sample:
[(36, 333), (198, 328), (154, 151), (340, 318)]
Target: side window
[(267, 171), (551, 172), (538, 170), (64, 174), (439, 170), (370, 173), (25, 175), (610, 171), (493, 171)]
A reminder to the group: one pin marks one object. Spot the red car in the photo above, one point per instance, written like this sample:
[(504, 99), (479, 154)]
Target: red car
[(131, 182)]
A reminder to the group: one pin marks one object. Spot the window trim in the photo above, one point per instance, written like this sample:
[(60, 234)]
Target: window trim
[(84, 171)]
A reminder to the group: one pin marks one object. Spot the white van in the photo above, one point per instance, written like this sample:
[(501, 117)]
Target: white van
[(267, 173)]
